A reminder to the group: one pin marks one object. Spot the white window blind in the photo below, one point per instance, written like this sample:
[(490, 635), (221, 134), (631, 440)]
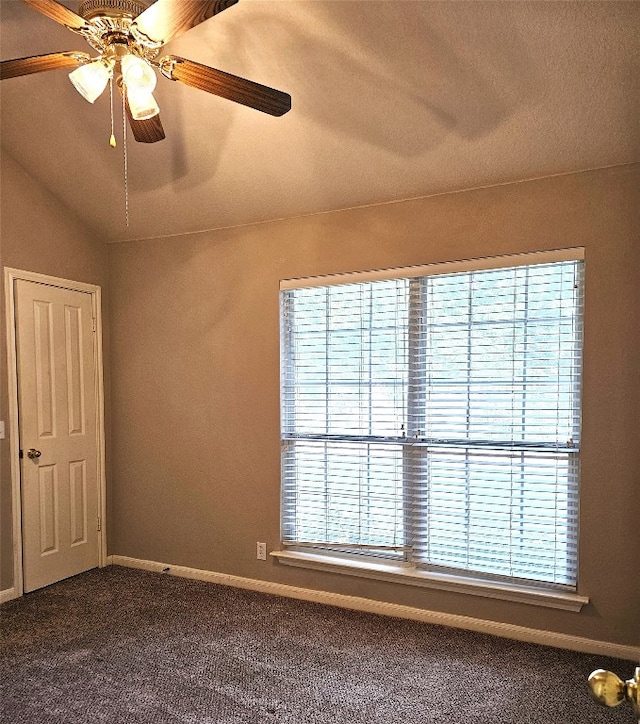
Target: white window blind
[(436, 418)]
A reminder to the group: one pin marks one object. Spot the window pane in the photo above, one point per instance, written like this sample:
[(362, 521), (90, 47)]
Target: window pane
[(343, 493), (501, 355), (504, 513), (346, 368)]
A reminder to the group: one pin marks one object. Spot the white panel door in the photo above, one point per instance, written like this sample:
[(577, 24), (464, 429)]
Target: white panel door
[(58, 432)]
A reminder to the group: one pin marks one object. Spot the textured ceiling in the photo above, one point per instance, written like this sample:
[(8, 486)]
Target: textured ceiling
[(392, 99)]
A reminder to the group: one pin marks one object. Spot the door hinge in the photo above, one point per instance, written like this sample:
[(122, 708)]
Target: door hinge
[(21, 454), (99, 524)]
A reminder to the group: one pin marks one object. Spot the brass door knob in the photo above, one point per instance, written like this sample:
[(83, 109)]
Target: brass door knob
[(609, 689), (33, 454)]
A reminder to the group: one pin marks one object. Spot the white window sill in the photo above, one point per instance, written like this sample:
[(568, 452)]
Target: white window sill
[(397, 573)]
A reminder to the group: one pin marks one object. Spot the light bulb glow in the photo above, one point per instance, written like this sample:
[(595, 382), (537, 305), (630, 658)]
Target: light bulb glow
[(137, 74), (91, 79), (142, 105)]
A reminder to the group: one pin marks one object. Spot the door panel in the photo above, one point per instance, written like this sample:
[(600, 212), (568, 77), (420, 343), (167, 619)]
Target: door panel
[(78, 501), (48, 505), (57, 403), (44, 368), (75, 386)]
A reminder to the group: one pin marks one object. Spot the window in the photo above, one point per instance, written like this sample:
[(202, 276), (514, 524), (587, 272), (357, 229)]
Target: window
[(431, 417)]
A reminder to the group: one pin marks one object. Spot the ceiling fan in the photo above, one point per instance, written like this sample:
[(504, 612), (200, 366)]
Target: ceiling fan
[(128, 36)]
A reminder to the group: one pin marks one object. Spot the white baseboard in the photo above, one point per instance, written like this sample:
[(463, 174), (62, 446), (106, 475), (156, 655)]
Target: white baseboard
[(8, 594), (505, 630)]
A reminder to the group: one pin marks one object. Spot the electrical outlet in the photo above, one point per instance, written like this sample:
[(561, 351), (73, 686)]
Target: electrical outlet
[(261, 551)]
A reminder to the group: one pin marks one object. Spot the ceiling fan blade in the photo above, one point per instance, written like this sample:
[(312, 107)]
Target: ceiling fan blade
[(40, 63), (225, 85), (166, 19), (148, 131), (59, 13)]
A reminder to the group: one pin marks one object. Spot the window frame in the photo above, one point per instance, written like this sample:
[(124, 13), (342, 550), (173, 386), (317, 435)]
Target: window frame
[(351, 561)]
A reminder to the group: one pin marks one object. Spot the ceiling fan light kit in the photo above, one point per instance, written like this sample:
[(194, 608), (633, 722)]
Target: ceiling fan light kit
[(91, 79), (128, 35), (142, 105), (139, 80), (137, 74)]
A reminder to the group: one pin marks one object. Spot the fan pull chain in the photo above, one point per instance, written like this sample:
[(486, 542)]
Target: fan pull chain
[(112, 139), (124, 144)]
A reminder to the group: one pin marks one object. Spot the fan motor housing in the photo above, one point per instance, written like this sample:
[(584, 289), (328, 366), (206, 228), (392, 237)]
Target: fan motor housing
[(109, 26), (90, 9)]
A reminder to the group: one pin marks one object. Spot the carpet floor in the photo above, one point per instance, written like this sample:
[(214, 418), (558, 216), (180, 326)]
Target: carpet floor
[(121, 645)]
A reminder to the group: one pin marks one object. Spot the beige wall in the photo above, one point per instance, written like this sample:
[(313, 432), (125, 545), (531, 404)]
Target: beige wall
[(194, 478), (195, 392), (37, 234)]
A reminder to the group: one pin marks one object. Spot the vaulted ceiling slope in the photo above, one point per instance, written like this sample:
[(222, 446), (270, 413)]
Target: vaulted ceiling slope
[(391, 99)]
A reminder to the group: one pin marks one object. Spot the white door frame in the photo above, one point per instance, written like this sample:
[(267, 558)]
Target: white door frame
[(10, 276)]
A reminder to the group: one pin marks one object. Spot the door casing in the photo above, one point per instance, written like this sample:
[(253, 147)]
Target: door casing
[(10, 276)]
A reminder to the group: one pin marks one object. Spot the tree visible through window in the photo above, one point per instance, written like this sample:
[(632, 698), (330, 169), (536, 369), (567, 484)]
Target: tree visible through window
[(435, 418)]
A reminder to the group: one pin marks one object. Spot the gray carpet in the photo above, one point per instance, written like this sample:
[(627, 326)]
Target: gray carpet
[(119, 645)]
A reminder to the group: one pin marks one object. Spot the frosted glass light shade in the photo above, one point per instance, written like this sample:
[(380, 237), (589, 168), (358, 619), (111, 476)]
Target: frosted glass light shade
[(91, 79), (142, 105), (137, 74)]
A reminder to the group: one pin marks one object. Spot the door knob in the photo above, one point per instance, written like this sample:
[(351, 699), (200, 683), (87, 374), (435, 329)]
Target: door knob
[(33, 454), (610, 690)]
